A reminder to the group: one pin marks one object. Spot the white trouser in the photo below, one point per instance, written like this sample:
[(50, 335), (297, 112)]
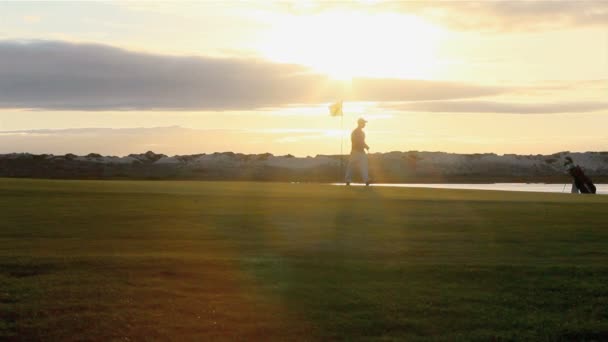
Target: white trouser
[(574, 189), (357, 158)]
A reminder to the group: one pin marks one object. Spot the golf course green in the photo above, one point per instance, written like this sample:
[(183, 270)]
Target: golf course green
[(177, 260)]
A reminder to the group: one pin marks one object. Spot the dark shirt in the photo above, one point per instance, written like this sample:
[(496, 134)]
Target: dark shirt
[(357, 138), (576, 172)]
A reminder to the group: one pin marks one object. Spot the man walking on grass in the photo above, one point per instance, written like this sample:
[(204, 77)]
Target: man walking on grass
[(357, 154)]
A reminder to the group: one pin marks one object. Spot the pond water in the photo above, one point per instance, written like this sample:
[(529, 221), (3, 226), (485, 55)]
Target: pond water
[(533, 187)]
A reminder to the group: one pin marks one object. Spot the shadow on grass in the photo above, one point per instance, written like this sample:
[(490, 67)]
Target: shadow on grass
[(426, 269), (22, 270)]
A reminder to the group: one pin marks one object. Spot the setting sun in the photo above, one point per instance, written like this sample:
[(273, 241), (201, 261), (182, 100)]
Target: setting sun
[(348, 45)]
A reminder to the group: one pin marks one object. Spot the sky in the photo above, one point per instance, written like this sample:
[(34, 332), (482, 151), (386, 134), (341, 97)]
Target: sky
[(525, 77)]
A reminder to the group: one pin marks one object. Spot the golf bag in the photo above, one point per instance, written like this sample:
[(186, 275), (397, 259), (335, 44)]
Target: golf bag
[(581, 181)]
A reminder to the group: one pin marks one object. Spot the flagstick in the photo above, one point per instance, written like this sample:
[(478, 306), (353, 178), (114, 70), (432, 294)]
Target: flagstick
[(341, 145), (336, 109)]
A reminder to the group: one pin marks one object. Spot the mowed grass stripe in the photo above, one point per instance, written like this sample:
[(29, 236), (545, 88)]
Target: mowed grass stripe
[(302, 261)]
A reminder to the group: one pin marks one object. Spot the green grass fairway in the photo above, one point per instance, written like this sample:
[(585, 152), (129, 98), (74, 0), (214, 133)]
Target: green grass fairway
[(138, 260)]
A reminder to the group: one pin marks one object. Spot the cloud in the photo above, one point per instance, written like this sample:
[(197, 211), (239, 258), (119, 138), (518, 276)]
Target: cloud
[(108, 141), (31, 19), (508, 15), (501, 107), (169, 140), (497, 15), (57, 75), (92, 131), (367, 89)]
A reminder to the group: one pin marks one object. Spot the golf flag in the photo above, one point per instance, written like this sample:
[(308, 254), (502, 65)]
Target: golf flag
[(336, 109)]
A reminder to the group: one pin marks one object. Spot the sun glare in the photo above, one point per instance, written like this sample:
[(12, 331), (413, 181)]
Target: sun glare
[(346, 45)]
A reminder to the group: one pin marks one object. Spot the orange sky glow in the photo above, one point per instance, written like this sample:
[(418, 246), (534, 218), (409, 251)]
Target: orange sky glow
[(116, 78)]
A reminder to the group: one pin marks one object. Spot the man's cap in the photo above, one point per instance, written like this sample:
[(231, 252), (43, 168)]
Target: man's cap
[(361, 120)]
